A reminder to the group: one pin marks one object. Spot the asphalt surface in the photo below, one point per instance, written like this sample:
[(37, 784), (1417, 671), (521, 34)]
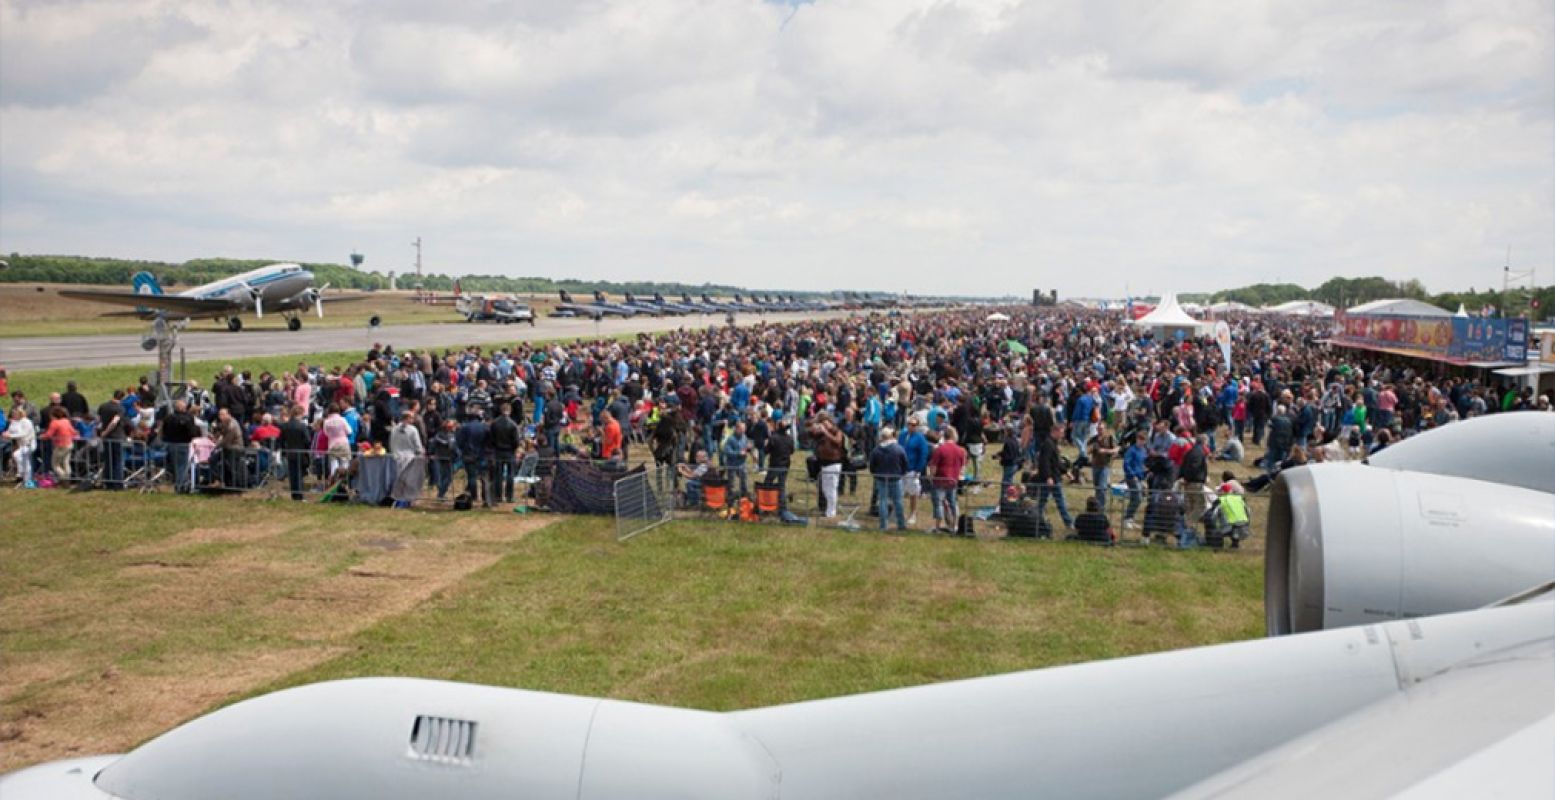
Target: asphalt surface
[(64, 352)]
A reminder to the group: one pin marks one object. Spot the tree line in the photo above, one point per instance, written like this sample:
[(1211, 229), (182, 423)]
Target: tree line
[(23, 268), (1347, 292)]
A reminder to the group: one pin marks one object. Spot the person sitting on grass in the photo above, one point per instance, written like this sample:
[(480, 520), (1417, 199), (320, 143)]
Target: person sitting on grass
[(1093, 526)]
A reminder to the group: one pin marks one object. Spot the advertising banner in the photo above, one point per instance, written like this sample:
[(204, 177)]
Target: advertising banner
[(1489, 339), (1427, 338)]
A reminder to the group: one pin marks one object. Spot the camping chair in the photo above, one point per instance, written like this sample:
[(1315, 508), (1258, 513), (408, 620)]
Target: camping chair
[(715, 494), (767, 495)]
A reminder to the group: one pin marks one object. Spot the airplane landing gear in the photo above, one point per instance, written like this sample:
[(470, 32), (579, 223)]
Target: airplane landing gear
[(294, 324), (234, 324)]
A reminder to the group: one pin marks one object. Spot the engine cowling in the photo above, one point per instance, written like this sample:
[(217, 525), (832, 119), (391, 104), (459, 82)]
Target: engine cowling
[(1351, 544)]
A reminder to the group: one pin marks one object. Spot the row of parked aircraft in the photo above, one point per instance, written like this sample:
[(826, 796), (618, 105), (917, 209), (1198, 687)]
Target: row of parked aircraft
[(602, 306)]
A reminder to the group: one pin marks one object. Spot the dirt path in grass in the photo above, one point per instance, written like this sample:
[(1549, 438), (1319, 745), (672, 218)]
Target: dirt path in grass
[(161, 630)]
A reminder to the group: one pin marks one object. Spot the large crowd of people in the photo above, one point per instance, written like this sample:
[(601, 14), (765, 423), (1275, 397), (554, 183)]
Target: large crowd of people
[(927, 404)]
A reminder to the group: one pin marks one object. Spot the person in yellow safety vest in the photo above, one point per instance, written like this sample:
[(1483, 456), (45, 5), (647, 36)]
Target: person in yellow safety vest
[(1232, 508)]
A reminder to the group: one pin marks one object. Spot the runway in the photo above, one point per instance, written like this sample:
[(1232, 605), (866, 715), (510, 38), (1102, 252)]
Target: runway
[(65, 352)]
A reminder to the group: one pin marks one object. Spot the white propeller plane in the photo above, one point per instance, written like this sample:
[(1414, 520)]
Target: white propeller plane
[(284, 288)]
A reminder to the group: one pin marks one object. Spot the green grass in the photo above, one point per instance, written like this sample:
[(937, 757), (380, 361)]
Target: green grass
[(98, 383), (723, 616), (126, 614)]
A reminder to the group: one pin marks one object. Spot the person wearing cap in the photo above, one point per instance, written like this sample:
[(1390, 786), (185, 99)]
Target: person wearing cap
[(916, 445)]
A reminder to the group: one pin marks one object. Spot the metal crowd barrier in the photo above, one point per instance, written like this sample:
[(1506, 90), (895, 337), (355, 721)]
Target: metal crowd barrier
[(424, 481)]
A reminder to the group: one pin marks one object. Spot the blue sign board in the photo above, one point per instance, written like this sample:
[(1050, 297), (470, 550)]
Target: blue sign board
[(1476, 339)]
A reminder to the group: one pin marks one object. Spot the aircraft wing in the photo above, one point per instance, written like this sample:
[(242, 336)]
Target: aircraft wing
[(161, 302), (1479, 728)]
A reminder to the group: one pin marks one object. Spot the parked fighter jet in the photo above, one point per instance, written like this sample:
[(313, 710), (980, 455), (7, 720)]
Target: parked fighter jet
[(595, 310), (284, 288), (604, 302), (723, 307), (1411, 652), (650, 307), (684, 308), (749, 306)]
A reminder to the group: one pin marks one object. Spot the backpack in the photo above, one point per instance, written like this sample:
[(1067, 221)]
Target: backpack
[(463, 502)]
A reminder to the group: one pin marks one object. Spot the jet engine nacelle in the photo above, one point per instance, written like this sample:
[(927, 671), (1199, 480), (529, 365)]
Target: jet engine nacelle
[(1351, 544)]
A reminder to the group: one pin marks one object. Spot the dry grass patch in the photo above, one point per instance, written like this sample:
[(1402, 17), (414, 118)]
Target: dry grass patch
[(124, 615)]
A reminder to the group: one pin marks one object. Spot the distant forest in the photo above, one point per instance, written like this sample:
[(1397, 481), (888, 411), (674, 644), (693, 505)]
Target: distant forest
[(87, 269)]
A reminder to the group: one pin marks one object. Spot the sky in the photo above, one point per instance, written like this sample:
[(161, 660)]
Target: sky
[(922, 146)]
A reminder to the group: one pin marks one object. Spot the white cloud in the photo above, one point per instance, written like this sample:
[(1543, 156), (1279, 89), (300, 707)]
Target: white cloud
[(927, 146)]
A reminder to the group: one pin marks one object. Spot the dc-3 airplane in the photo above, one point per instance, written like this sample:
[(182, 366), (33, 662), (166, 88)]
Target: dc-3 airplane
[(1411, 652), (595, 310), (284, 288)]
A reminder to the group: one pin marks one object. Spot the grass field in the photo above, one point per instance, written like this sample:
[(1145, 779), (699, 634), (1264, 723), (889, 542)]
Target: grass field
[(128, 614), (33, 309)]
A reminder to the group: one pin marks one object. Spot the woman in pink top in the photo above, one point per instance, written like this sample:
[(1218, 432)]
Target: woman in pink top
[(338, 431), (62, 433)]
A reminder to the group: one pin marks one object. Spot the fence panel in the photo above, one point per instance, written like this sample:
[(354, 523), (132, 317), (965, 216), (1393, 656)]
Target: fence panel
[(639, 505)]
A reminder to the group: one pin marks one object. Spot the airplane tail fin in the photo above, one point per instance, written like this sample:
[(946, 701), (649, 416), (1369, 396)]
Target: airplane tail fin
[(599, 297), (658, 297), (145, 283), (566, 298)]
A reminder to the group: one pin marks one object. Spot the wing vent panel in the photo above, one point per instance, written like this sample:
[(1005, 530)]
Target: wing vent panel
[(442, 739)]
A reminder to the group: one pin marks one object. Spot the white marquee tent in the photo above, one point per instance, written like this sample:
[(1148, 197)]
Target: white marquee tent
[(1302, 308), (1168, 318)]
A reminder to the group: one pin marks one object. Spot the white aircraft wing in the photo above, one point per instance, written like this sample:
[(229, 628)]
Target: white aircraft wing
[(160, 302), (1481, 728)]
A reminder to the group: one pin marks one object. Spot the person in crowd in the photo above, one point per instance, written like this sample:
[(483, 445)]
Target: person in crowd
[(888, 467), (443, 453), (295, 443), (1093, 526), (61, 435), (732, 452), (916, 446), (506, 439), (780, 454), (1193, 472), (945, 466), (179, 430), (1134, 477), (113, 432), (23, 438), (337, 432), (1103, 449), (693, 474), (474, 442), (829, 453), (1050, 477)]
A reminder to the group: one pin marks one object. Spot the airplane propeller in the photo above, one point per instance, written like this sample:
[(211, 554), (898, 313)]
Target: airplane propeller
[(259, 300), (318, 300)]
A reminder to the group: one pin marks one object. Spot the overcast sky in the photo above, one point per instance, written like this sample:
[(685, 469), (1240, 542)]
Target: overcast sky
[(941, 146)]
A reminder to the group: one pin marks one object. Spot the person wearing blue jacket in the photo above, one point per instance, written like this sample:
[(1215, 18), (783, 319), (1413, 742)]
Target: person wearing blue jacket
[(1134, 475), (917, 447), (1080, 421)]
